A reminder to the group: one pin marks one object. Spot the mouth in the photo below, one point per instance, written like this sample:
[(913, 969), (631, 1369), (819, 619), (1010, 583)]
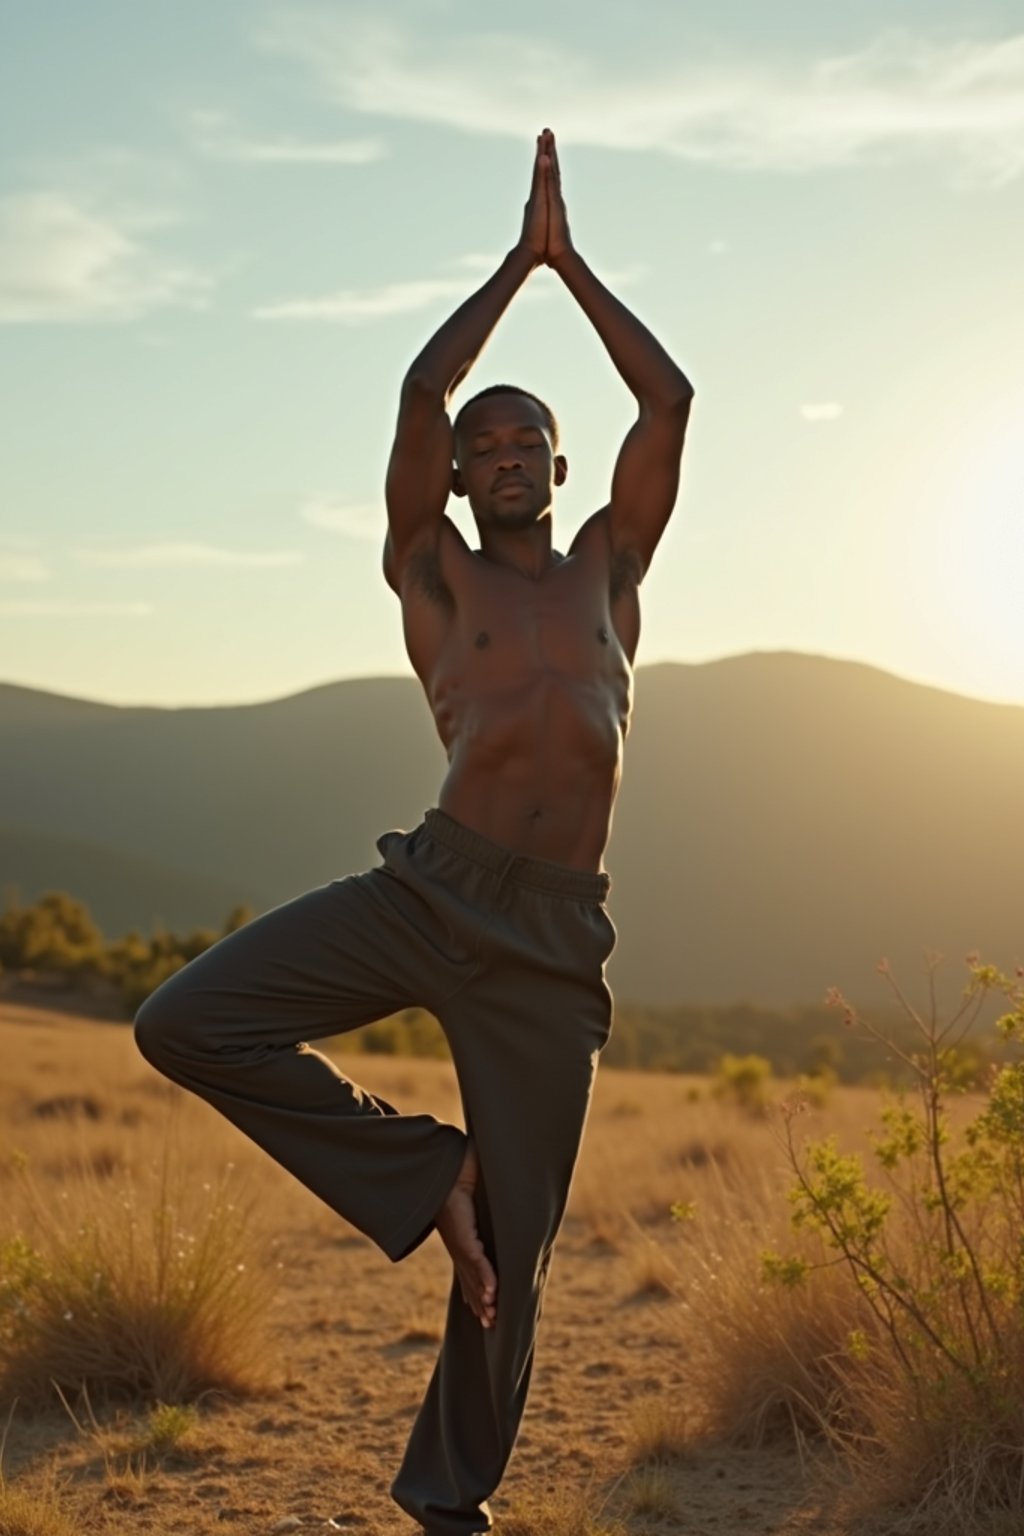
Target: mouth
[(511, 485)]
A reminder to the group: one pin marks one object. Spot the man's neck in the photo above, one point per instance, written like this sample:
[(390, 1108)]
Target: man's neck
[(526, 550)]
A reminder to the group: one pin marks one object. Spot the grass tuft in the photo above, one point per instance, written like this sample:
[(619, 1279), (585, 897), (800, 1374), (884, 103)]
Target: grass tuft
[(660, 1431), (24, 1512), (127, 1290), (567, 1512), (649, 1491)]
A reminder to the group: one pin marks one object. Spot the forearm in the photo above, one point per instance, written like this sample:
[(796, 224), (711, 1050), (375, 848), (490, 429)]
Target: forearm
[(454, 348), (646, 368)]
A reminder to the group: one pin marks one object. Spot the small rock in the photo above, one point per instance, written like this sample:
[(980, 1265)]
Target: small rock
[(289, 1523)]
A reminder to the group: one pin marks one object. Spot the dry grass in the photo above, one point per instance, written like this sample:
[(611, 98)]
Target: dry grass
[(24, 1513), (130, 1287), (653, 1274), (661, 1430), (657, 1334), (568, 1511), (650, 1493)]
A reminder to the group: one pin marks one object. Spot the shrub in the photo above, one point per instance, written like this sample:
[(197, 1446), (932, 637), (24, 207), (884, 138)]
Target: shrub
[(55, 934), (929, 1400), (743, 1081), (131, 1291)]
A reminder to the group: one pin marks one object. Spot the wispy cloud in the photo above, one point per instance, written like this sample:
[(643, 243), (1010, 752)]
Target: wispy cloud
[(355, 306), (351, 306), (823, 410), (213, 135), (360, 520), (60, 609), (22, 568), (61, 261), (187, 554), (900, 95)]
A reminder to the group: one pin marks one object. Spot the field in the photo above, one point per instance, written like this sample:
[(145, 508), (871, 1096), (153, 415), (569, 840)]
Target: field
[(620, 1433)]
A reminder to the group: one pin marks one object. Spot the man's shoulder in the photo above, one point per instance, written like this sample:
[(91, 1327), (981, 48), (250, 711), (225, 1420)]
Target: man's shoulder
[(623, 567)]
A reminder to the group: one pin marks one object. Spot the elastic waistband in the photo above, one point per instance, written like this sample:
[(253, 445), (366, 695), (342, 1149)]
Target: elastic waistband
[(539, 874)]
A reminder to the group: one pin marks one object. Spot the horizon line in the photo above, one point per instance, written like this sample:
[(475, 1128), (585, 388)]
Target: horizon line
[(409, 676)]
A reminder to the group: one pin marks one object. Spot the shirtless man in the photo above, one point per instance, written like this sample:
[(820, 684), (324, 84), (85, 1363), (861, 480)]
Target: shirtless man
[(492, 911)]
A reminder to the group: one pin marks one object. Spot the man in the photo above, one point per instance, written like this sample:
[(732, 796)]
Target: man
[(492, 911)]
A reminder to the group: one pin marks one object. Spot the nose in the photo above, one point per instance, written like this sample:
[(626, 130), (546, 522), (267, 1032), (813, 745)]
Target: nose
[(509, 458)]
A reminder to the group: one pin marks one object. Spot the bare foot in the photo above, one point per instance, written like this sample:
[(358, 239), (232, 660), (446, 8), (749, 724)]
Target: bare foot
[(457, 1226)]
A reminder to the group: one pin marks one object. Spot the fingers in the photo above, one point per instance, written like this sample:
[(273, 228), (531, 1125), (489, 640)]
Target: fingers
[(537, 170)]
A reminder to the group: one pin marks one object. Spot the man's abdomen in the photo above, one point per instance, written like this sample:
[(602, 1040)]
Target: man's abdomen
[(536, 767)]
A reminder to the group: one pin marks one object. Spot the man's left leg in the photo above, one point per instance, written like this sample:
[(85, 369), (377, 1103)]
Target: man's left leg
[(525, 1036)]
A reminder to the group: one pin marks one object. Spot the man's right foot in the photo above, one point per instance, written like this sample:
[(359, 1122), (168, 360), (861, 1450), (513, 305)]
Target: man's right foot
[(457, 1226)]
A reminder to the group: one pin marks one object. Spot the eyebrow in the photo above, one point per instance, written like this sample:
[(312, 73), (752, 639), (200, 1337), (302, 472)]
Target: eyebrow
[(523, 426)]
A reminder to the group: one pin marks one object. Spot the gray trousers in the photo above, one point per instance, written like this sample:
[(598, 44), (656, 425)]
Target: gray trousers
[(508, 953)]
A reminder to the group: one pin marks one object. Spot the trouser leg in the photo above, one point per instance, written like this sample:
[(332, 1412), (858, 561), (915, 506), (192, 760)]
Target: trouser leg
[(526, 1050), (234, 1023)]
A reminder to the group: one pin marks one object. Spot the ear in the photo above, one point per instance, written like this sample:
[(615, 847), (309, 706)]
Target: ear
[(561, 468), (458, 484)]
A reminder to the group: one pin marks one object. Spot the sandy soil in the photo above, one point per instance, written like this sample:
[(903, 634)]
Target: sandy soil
[(352, 1338)]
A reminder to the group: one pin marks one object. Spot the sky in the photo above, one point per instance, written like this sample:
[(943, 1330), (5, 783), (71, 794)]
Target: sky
[(226, 229)]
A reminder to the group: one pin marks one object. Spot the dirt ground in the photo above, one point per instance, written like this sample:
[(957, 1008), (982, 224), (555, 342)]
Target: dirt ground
[(352, 1338)]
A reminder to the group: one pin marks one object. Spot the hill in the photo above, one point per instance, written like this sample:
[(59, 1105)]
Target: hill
[(125, 884), (784, 821)]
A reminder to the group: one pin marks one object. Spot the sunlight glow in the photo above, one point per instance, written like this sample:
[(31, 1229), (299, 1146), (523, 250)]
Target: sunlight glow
[(986, 548)]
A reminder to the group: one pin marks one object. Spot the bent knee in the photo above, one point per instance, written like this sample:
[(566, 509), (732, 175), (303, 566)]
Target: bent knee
[(164, 1025)]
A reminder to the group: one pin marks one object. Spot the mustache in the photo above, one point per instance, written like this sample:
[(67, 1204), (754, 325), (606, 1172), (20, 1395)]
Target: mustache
[(510, 480)]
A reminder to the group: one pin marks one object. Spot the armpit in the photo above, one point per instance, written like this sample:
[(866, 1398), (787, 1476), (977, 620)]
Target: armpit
[(626, 573), (424, 575)]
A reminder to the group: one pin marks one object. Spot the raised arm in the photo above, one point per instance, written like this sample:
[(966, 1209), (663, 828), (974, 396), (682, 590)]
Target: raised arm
[(419, 476), (645, 481)]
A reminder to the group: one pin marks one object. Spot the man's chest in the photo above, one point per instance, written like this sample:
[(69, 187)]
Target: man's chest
[(561, 623)]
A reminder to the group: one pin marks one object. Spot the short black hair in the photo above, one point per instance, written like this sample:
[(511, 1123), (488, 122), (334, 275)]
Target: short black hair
[(511, 389)]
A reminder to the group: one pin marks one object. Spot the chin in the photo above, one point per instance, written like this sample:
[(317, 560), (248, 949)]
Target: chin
[(514, 517)]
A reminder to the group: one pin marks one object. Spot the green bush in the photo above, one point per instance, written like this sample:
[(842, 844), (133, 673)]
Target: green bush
[(743, 1081), (932, 1403)]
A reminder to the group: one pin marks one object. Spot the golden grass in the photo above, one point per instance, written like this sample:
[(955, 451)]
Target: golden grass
[(24, 1513), (649, 1492), (658, 1334), (660, 1430), (130, 1287), (567, 1511)]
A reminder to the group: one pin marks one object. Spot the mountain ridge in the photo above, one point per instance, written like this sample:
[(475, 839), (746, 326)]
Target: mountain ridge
[(785, 819)]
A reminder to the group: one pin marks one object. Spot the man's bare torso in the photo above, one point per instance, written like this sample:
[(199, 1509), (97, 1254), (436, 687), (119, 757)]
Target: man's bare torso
[(530, 683)]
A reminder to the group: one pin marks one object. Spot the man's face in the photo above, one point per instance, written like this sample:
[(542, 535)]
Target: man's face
[(506, 463)]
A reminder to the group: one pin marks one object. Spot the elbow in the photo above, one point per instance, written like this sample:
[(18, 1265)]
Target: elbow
[(418, 385), (673, 401), (681, 394)]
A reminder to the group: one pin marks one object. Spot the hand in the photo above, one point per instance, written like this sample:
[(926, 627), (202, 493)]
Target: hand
[(559, 239), (535, 215)]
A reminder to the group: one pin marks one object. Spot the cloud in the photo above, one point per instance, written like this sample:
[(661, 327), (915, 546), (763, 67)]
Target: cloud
[(901, 95), (213, 137), (188, 554), (360, 520), (22, 568), (61, 262), (58, 609), (825, 410), (354, 306), (351, 306)]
